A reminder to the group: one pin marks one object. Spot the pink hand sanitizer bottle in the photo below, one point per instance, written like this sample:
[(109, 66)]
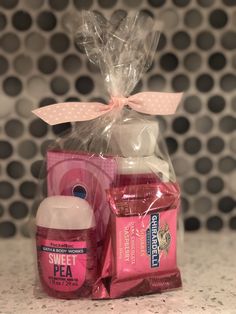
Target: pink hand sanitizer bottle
[(66, 247)]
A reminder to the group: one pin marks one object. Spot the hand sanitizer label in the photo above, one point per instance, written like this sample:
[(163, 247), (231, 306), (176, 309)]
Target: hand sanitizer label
[(62, 264)]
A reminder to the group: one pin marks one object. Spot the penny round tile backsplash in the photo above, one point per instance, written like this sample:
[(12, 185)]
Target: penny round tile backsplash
[(40, 65)]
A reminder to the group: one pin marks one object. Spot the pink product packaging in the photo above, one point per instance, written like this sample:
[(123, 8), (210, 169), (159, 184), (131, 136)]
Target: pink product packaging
[(87, 176), (140, 253)]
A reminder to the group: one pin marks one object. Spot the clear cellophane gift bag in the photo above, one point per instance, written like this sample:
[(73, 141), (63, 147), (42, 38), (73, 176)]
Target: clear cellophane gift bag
[(107, 227)]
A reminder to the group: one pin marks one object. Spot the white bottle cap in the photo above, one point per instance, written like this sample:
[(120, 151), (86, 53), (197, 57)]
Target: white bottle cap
[(139, 165), (135, 139), (66, 213)]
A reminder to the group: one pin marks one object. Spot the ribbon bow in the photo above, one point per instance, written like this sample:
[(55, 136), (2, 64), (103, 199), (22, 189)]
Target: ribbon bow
[(153, 103)]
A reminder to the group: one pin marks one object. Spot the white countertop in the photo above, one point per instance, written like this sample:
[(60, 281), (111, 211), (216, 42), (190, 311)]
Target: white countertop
[(209, 282)]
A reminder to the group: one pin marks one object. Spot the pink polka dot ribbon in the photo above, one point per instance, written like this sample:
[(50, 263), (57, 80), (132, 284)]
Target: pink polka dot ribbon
[(153, 103)]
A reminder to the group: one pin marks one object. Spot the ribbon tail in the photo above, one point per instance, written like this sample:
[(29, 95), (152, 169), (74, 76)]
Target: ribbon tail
[(155, 103), (71, 112), (42, 115)]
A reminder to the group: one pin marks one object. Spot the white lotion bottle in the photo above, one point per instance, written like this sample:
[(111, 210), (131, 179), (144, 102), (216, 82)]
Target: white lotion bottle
[(136, 145)]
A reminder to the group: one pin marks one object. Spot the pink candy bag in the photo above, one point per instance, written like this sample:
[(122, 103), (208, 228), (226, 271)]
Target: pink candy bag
[(140, 255)]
